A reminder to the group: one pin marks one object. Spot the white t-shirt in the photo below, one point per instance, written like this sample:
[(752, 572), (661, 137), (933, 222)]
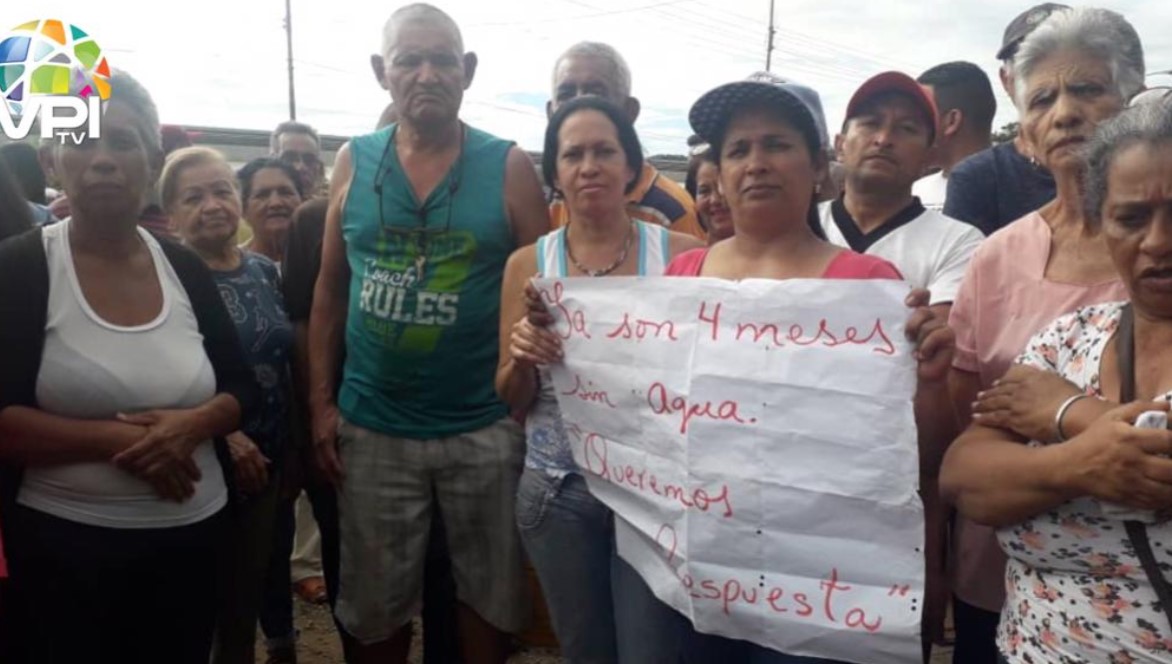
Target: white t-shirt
[(91, 369), (929, 249), (931, 190)]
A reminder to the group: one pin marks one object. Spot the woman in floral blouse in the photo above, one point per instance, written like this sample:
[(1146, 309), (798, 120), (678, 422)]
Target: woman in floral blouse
[(1077, 591)]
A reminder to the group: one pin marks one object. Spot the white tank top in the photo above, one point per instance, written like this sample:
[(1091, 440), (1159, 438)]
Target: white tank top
[(91, 369), (548, 448)]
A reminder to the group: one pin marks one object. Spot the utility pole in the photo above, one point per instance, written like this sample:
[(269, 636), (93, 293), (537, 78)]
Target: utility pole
[(289, 57), (769, 44)]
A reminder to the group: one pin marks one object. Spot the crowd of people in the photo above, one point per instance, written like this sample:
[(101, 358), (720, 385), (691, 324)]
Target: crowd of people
[(172, 379)]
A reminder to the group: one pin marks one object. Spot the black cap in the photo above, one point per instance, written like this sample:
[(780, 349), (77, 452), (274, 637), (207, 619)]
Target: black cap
[(711, 113), (1020, 27)]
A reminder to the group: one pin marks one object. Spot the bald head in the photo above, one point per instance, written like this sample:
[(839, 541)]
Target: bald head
[(416, 15), (424, 67)]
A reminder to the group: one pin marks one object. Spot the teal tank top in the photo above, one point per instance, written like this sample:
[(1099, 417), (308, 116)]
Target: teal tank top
[(425, 290)]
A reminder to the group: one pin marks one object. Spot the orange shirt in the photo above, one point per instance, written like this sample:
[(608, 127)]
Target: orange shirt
[(656, 199)]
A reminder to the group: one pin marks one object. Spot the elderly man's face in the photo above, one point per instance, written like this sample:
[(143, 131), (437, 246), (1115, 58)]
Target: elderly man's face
[(302, 152), (425, 73), (579, 75)]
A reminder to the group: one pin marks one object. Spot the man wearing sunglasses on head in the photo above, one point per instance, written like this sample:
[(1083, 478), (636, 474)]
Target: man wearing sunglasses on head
[(422, 217)]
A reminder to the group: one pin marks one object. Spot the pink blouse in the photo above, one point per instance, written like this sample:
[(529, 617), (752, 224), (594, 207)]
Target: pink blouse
[(1003, 301)]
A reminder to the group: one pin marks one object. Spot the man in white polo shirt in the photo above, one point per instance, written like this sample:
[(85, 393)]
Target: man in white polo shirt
[(884, 145)]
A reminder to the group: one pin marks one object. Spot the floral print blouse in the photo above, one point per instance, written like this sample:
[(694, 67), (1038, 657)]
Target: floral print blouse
[(1076, 590)]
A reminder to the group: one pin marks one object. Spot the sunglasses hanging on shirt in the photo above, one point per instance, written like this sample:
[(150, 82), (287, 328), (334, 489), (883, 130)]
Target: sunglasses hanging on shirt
[(422, 234)]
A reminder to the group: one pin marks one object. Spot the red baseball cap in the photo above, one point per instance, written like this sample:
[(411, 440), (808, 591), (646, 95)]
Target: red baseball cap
[(894, 81)]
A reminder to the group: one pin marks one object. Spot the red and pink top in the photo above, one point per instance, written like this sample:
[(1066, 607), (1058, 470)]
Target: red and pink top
[(846, 265)]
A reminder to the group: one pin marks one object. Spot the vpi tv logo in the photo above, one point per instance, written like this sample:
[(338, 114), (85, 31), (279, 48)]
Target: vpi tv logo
[(54, 71)]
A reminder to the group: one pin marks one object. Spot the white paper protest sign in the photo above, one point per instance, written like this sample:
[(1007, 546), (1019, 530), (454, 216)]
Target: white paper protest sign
[(756, 441)]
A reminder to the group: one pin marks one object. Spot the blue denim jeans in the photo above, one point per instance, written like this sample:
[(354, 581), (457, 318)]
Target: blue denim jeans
[(705, 648), (567, 534), (653, 632), (649, 631)]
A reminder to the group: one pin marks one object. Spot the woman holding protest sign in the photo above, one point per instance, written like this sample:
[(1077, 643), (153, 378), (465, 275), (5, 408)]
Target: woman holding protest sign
[(766, 143), (1081, 511), (593, 159)]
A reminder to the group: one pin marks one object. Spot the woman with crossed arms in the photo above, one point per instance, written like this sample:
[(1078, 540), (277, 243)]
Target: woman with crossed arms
[(1076, 70), (120, 368), (1083, 584)]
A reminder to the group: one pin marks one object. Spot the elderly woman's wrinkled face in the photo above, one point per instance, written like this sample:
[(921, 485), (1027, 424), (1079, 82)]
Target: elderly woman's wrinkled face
[(206, 209), (271, 203), (766, 168), (108, 177), (1066, 96), (1137, 222)]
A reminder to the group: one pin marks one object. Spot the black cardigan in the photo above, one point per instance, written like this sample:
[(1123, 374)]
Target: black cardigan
[(24, 303)]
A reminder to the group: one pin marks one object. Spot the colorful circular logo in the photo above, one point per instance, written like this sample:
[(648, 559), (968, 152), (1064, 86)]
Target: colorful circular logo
[(51, 57)]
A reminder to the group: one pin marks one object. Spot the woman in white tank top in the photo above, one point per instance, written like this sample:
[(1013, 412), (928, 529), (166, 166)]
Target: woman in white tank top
[(592, 158), (123, 369)]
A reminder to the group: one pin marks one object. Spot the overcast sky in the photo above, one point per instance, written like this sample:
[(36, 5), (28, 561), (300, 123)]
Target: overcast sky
[(222, 62)]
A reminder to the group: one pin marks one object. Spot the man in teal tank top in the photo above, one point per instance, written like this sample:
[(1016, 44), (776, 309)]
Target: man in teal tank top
[(423, 216)]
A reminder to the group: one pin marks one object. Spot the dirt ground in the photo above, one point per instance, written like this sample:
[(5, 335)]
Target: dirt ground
[(319, 643)]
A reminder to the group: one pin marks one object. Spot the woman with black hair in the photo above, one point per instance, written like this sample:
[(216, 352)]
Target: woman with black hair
[(270, 191), (766, 142), (703, 183), (593, 159)]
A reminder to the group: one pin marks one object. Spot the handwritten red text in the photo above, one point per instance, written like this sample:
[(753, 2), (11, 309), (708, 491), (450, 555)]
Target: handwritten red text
[(640, 329), (780, 335), (835, 606), (639, 479), (588, 393), (662, 404), (575, 320)]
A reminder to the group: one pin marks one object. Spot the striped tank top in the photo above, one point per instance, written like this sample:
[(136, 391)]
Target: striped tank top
[(548, 446)]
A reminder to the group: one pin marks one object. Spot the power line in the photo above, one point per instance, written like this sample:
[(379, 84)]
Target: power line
[(728, 37), (721, 45), (804, 37), (579, 17)]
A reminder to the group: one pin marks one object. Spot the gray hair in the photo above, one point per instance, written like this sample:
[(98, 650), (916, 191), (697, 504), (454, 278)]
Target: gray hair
[(419, 12), (588, 49), (291, 127), (1100, 32), (1146, 124)]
